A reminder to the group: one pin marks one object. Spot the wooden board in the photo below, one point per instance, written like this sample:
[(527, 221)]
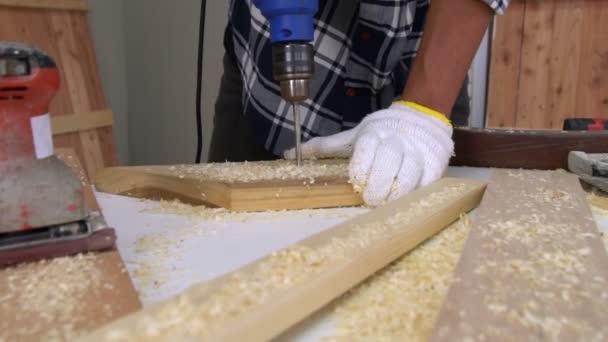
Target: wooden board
[(163, 182), (108, 293), (64, 124), (264, 298), (64, 34), (77, 5), (548, 63), (533, 268), (527, 149)]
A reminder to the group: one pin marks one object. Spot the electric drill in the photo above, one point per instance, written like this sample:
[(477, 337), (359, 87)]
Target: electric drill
[(291, 32)]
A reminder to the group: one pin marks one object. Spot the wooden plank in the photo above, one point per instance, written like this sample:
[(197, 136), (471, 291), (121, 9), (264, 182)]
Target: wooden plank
[(536, 56), (503, 87), (185, 183), (262, 299), (534, 266), (71, 53), (565, 50), (592, 95), (528, 149), (65, 297), (563, 68), (76, 5), (81, 122)]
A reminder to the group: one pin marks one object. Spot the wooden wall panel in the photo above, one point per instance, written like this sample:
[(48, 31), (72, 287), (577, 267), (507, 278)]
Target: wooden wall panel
[(506, 57), (593, 71), (65, 35), (549, 62), (534, 76)]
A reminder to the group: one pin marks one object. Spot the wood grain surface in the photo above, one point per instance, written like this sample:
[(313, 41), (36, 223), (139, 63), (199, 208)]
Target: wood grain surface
[(264, 298), (161, 182), (77, 5), (503, 89), (548, 63), (64, 34), (534, 266), (527, 149)]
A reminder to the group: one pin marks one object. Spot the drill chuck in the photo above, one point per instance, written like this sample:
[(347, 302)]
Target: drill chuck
[(293, 67)]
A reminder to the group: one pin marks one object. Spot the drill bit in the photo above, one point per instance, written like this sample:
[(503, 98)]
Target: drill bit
[(298, 129)]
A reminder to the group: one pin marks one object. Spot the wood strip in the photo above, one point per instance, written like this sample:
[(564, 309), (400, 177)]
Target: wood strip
[(533, 266), (76, 5), (259, 301), (163, 182), (528, 149), (503, 87), (74, 66), (81, 122)]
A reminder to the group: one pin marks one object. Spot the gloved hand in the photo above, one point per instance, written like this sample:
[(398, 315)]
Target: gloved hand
[(393, 151)]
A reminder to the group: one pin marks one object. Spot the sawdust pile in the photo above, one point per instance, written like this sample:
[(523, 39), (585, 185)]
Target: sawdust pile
[(157, 256), (149, 274), (249, 172), (48, 296), (402, 302), (202, 310), (202, 213)]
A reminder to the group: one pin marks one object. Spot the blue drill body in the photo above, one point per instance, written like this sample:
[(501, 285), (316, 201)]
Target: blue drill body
[(291, 33), (290, 20)]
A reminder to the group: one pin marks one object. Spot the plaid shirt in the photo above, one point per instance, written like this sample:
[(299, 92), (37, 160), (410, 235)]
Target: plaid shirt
[(363, 51)]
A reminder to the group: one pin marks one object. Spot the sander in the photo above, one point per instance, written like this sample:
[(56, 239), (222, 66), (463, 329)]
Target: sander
[(43, 212), (291, 33)]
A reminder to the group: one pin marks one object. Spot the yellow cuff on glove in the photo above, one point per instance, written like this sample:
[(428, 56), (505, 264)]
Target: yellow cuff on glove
[(427, 111)]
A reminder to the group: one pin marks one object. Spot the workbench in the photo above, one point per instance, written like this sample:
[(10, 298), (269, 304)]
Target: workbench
[(166, 253)]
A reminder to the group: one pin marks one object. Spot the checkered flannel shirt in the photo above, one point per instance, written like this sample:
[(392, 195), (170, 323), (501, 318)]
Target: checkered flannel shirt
[(363, 50)]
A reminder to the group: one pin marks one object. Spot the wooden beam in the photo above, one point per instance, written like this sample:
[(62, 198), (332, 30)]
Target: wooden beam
[(262, 299), (76, 5), (534, 265), (527, 149), (72, 123)]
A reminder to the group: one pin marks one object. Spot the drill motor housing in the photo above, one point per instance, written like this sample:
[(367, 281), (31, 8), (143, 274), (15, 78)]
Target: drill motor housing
[(291, 32)]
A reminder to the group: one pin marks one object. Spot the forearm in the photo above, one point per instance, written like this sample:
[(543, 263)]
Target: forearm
[(453, 31)]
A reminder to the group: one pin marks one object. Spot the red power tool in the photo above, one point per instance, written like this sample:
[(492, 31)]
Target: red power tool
[(42, 207), (585, 125)]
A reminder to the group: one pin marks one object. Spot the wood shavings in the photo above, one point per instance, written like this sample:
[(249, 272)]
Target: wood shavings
[(198, 312), (202, 213), (149, 274), (50, 293), (156, 256), (250, 172), (403, 301)]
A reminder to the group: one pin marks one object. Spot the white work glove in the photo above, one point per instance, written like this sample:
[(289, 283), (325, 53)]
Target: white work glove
[(393, 151)]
